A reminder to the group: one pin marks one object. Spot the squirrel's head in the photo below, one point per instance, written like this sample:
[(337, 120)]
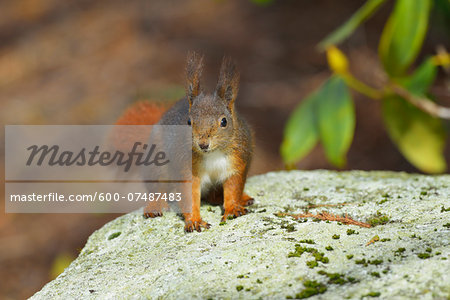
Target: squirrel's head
[(211, 116)]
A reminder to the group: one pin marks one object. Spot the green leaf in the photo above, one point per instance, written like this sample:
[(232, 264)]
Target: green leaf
[(345, 30), (336, 120), (419, 137), (327, 113), (403, 35), (300, 133), (422, 78)]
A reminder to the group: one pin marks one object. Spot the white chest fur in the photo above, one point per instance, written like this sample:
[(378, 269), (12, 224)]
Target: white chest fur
[(215, 169)]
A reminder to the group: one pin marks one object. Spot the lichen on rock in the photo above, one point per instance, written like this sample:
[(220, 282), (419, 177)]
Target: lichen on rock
[(253, 256)]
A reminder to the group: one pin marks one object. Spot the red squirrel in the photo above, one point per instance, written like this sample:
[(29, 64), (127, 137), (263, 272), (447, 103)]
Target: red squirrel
[(222, 141)]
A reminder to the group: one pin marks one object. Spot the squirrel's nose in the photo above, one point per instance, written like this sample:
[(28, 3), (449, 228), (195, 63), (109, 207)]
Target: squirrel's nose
[(203, 146)]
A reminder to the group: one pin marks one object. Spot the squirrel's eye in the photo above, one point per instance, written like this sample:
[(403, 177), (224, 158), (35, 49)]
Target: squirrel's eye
[(223, 122), (189, 122)]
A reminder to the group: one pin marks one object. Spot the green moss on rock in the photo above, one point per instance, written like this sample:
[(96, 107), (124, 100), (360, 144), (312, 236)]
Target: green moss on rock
[(155, 259), (378, 219), (312, 288)]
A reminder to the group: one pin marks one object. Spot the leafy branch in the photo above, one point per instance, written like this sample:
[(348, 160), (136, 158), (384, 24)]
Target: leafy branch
[(337, 61), (412, 119)]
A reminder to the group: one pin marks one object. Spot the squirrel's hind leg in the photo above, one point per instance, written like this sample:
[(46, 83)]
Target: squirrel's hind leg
[(246, 200), (154, 209)]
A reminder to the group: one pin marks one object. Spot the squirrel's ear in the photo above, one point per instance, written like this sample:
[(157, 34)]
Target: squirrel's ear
[(194, 68), (228, 85)]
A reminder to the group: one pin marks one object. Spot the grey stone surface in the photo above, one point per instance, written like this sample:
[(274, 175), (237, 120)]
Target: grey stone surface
[(255, 256)]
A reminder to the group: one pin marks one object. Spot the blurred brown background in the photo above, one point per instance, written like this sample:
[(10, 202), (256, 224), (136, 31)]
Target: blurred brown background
[(84, 62)]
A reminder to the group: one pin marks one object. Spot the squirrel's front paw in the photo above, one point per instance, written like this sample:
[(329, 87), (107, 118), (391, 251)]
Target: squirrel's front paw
[(234, 212), (192, 224)]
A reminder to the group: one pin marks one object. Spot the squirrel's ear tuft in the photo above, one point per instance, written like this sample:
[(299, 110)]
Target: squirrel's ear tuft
[(228, 85), (194, 68)]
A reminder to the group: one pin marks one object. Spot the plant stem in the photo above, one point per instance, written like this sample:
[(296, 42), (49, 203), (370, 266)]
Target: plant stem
[(423, 104), (362, 87)]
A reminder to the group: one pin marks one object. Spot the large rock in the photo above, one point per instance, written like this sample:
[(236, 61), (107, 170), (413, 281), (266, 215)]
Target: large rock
[(267, 255)]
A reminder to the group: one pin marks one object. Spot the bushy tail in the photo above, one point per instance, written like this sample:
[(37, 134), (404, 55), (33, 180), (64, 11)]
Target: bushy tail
[(143, 113), (140, 113)]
